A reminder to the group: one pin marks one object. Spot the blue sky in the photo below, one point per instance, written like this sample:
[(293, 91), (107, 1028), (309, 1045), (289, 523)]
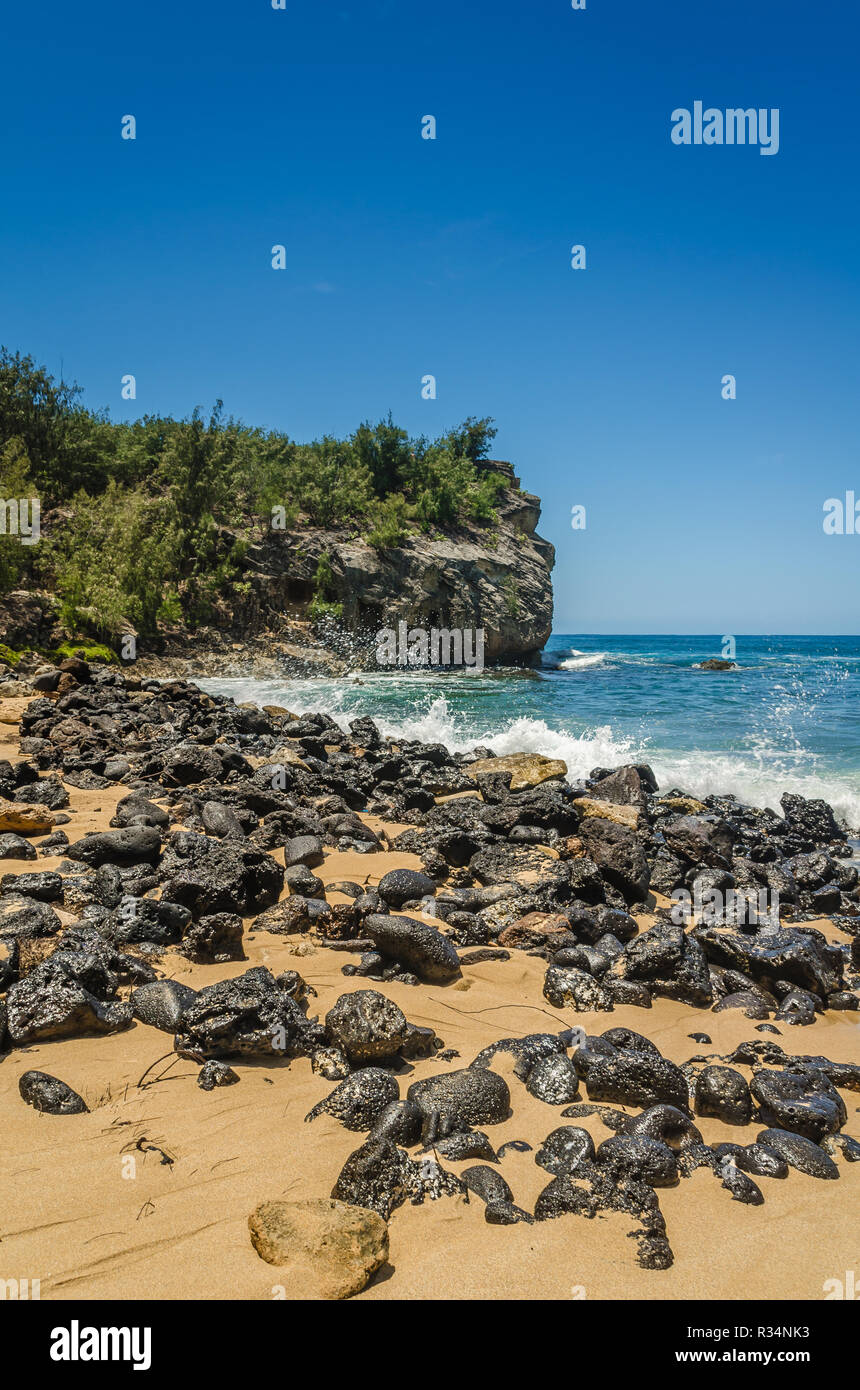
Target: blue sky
[(451, 257)]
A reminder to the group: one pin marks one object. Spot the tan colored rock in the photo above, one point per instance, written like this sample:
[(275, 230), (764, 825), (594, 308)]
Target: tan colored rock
[(528, 769), (278, 712), (26, 820), (533, 930), (590, 809), (684, 805), (286, 754), (330, 1248), (572, 848)]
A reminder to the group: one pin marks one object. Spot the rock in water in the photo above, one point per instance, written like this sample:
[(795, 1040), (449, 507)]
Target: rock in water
[(334, 1249)]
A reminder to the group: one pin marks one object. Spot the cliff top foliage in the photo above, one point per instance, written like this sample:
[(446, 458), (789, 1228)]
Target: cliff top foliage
[(139, 509)]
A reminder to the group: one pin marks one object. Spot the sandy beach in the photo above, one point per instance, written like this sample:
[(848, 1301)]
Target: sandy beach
[(172, 1223)]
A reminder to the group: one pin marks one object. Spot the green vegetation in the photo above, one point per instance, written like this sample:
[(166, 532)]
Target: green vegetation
[(511, 592), (147, 522)]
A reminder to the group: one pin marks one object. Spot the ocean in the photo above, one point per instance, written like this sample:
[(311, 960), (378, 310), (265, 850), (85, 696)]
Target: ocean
[(787, 718)]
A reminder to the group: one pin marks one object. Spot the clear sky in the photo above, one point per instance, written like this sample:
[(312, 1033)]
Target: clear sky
[(407, 256)]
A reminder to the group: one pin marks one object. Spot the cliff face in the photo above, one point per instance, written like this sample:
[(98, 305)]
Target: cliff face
[(496, 578)]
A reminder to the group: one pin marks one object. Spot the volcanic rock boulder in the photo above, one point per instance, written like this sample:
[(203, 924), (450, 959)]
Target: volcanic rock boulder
[(802, 1101), (415, 945), (248, 1015), (50, 1003), (367, 1026), (618, 855), (458, 1100), (50, 1095), (162, 1003), (209, 876), (134, 844)]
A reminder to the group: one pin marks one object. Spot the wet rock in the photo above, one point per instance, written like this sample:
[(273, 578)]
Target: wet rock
[(48, 1094), (214, 1074), (332, 1248), (22, 918), (723, 1093), (535, 930), (404, 885), (210, 876), (147, 919), (797, 1008), (671, 963), (399, 1122), (619, 856), (214, 939), (704, 840), (300, 881), (635, 1078), (752, 1005), (489, 1185), (526, 1051), (810, 821), (380, 1176), (307, 850), (48, 791), (44, 887), (221, 821), (137, 810), (757, 1159), (136, 844), (666, 1123), (801, 958), (741, 1186), (189, 763), (471, 1143), (16, 847), (161, 1004), (638, 1156)]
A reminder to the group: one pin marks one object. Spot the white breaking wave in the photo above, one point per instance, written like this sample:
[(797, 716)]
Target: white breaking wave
[(581, 662), (571, 659), (758, 777)]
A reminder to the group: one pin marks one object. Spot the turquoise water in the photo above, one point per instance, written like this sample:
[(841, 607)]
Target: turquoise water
[(786, 719)]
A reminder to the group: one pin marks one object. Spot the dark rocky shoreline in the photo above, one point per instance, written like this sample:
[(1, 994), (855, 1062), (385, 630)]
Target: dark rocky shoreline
[(228, 806)]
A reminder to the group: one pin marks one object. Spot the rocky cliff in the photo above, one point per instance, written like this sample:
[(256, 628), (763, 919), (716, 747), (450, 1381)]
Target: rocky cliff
[(496, 577), (492, 577)]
